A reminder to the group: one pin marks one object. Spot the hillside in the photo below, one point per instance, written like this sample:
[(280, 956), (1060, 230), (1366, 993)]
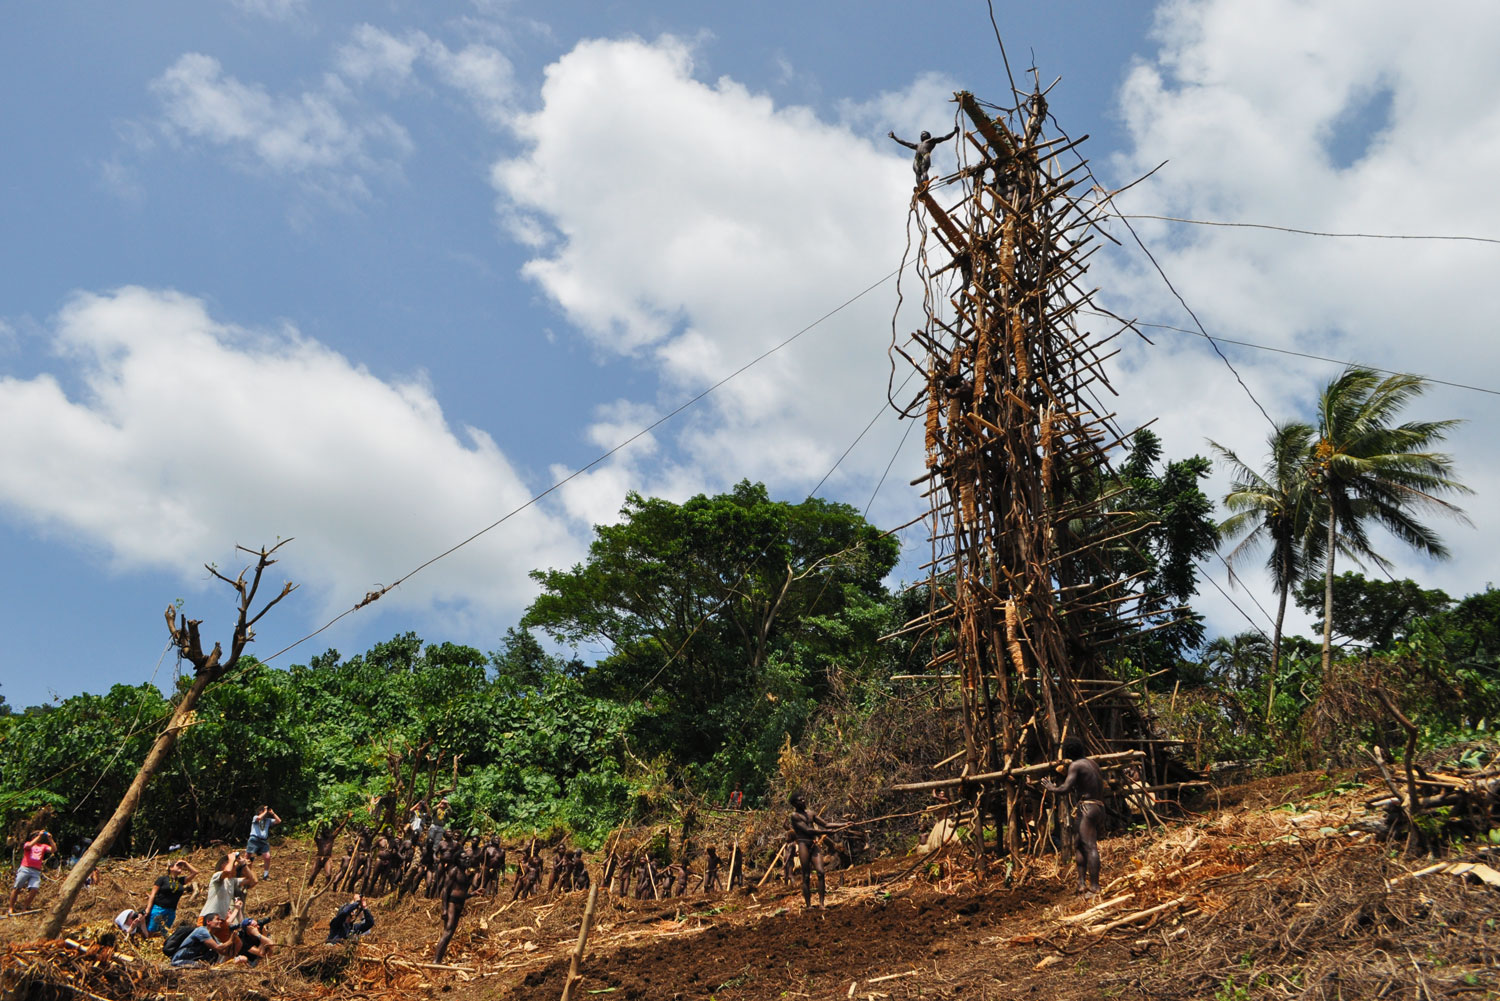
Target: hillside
[(1267, 893)]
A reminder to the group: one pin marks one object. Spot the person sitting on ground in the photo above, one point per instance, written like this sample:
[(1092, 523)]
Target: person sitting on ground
[(351, 921), (130, 921), (234, 876), (1085, 779), (208, 944), (255, 943), (161, 905), (34, 854), (260, 833)]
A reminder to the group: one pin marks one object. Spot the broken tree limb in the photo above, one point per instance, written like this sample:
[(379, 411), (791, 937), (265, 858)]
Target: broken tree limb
[(772, 867), (1116, 759), (1131, 919), (583, 941), (1096, 910)]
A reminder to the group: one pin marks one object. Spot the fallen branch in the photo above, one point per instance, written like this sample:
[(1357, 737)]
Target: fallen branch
[(1095, 911), (1137, 916)]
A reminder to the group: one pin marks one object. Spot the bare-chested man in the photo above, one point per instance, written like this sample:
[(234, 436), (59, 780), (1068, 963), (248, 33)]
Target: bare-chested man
[(580, 871), (736, 869), (711, 871), (647, 882), (922, 162), (493, 862), (680, 871), (806, 827), (460, 881), (1087, 782), (324, 837)]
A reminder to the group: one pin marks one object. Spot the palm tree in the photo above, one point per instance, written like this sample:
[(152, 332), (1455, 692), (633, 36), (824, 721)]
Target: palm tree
[(1275, 506), (1237, 660), (1366, 471)]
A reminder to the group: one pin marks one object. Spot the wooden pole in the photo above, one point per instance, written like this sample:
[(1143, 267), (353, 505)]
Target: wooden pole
[(1116, 758), (583, 941), (772, 867)]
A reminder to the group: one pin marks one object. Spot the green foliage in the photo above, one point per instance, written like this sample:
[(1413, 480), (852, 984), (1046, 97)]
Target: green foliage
[(1372, 613), (725, 614), (80, 754), (1173, 529)]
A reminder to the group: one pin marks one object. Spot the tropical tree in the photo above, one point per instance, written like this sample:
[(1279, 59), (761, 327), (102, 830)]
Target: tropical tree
[(1171, 528), (1275, 507), (1237, 662), (1368, 472), (725, 614)]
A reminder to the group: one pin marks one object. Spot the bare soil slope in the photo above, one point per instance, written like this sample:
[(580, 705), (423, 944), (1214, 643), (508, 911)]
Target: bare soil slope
[(1264, 895)]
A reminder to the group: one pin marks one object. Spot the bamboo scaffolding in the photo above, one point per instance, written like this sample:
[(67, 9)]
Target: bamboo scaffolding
[(1026, 528)]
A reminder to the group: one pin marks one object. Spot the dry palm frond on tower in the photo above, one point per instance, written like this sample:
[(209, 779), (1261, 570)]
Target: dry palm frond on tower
[(1026, 587)]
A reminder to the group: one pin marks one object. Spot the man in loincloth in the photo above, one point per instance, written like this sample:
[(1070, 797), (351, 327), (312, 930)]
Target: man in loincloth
[(1086, 781), (460, 881), (806, 827)]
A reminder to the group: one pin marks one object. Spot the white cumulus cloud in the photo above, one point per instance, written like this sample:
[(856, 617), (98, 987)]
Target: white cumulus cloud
[(189, 434), (692, 225), (1325, 117), (312, 134)]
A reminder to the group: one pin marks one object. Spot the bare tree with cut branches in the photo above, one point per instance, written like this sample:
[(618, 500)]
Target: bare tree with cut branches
[(207, 669)]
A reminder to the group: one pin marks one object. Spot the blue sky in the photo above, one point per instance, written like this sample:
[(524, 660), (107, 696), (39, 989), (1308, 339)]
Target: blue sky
[(371, 275)]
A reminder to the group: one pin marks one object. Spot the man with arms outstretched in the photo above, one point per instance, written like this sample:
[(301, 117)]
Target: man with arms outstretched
[(922, 162)]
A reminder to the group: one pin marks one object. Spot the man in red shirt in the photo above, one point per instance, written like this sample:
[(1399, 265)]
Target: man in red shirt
[(29, 877)]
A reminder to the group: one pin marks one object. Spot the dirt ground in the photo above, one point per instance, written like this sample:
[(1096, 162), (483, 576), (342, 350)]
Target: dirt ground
[(1267, 893)]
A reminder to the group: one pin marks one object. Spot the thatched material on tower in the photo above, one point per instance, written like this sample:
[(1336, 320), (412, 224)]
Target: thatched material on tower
[(1025, 589)]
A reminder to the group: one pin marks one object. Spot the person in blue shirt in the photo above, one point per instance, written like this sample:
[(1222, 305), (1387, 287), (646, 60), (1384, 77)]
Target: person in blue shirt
[(208, 943), (260, 833)]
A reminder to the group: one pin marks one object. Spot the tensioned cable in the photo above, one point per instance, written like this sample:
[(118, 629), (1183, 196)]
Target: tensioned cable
[(1297, 354), (859, 437), (1215, 344), (374, 595), (1253, 624), (1089, 171), (701, 622), (126, 739), (1303, 232)]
